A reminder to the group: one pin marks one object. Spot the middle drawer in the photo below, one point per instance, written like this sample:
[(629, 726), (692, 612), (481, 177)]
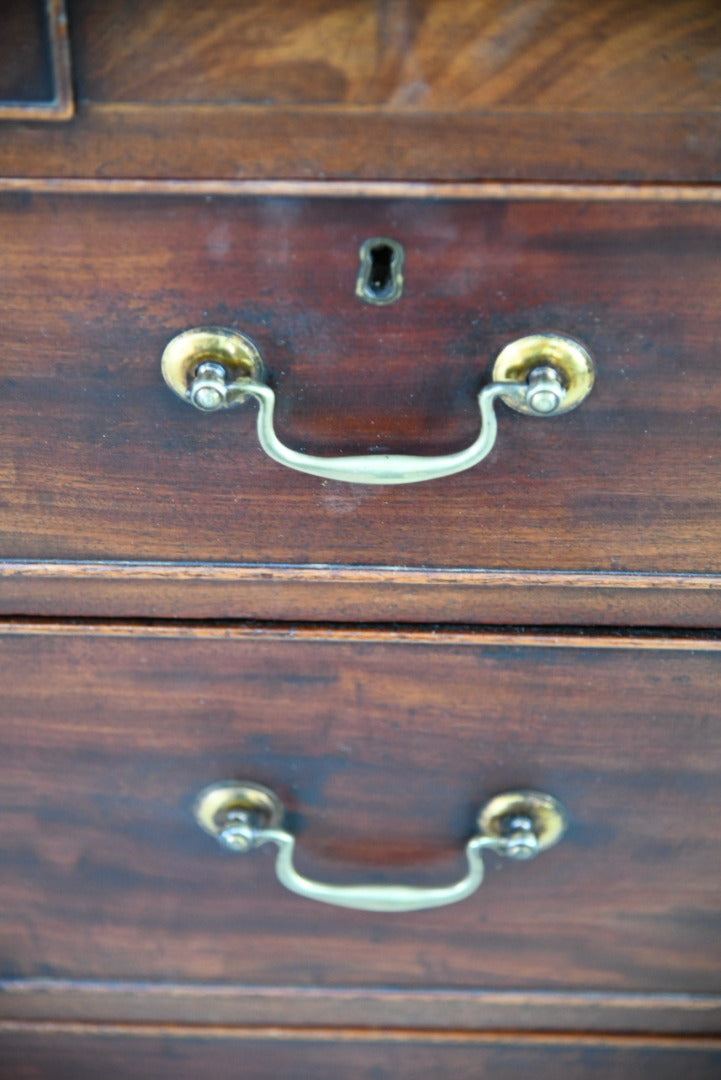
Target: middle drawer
[(606, 514)]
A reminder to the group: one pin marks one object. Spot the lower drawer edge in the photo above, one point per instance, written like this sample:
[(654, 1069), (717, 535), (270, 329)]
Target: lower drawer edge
[(346, 594), (99, 1002), (51, 1051)]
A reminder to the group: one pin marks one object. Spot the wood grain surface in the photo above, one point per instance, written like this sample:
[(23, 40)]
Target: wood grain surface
[(437, 55), (450, 89), (53, 1052), (100, 462), (107, 141), (382, 747)]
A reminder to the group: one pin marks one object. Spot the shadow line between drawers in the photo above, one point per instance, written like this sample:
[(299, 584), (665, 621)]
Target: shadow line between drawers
[(34, 1000)]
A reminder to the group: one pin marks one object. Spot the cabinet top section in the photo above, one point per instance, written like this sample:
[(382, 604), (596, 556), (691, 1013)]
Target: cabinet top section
[(404, 89)]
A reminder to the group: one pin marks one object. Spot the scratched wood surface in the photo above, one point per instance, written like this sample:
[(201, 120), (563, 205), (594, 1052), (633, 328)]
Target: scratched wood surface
[(99, 461), (382, 748), (85, 1053), (566, 89)]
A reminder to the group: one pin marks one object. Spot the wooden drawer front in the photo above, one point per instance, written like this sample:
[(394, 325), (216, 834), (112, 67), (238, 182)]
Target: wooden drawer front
[(100, 461), (82, 1054), (382, 748)]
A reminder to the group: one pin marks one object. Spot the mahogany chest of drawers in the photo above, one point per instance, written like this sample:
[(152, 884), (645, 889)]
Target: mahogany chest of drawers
[(410, 212)]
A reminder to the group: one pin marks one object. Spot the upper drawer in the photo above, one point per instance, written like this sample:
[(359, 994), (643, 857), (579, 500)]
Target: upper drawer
[(448, 89), (609, 513)]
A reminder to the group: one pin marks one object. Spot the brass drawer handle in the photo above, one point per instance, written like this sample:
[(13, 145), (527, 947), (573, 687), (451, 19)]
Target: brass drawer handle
[(242, 815), (213, 368)]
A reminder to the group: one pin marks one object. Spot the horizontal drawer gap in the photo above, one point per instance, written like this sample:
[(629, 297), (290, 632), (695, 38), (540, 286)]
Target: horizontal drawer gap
[(335, 1035), (33, 1000), (362, 575), (439, 634), (381, 189)]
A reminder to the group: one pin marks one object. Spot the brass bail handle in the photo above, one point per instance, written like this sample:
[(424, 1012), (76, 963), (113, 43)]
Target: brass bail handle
[(243, 815), (215, 368)]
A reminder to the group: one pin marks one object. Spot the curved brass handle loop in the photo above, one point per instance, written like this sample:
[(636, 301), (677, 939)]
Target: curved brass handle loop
[(377, 468), (243, 815), (213, 368)]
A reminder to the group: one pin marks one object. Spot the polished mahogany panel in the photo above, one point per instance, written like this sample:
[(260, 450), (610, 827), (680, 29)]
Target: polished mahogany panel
[(432, 55), (99, 461), (382, 746)]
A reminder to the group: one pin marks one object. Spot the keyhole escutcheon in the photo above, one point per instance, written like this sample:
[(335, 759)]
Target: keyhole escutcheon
[(380, 275)]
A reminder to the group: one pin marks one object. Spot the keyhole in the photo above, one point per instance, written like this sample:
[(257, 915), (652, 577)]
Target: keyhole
[(380, 277)]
